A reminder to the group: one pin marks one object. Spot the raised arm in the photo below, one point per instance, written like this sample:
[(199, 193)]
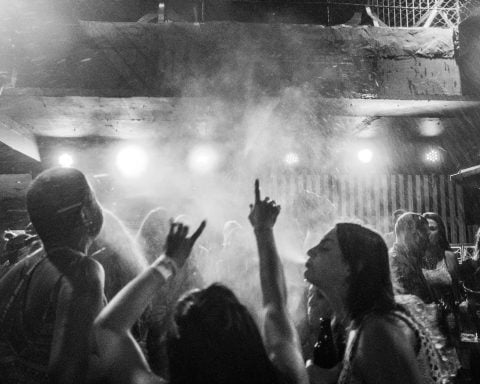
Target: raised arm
[(263, 215), (129, 304), (112, 326), (281, 336)]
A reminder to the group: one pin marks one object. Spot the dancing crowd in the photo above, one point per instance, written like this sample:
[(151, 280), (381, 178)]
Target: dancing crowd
[(84, 301)]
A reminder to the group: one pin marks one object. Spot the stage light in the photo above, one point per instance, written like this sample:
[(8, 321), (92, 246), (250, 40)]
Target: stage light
[(433, 156), (65, 160), (132, 161), (203, 159), (291, 158), (431, 127), (365, 155)]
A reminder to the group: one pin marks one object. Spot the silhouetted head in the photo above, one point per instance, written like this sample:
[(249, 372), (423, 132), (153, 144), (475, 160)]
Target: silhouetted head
[(217, 341), (396, 215), (153, 232), (412, 231), (62, 206), (230, 228), (438, 231), (353, 261)]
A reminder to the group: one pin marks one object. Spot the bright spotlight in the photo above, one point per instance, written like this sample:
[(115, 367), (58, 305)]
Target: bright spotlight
[(132, 161), (433, 156), (291, 158), (203, 159), (365, 155), (65, 160), (431, 127)]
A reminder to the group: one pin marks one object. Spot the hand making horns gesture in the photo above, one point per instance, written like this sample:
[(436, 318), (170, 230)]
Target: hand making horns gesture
[(178, 245), (263, 213)]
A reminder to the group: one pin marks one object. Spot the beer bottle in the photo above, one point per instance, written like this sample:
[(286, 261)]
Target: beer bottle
[(324, 351)]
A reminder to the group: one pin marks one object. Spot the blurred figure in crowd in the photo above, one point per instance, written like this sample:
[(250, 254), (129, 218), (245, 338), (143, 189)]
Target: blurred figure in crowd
[(389, 237), (407, 254)]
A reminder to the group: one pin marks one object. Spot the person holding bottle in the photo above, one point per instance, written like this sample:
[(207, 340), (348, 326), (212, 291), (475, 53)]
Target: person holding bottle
[(385, 343)]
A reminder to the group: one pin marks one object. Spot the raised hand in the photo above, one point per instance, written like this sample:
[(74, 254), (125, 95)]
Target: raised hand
[(263, 213), (178, 245)]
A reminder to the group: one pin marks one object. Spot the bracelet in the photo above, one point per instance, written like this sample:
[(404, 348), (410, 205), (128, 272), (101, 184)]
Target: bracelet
[(166, 266)]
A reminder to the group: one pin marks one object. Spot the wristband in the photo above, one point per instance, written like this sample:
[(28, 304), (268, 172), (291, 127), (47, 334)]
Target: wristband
[(166, 266), (262, 229)]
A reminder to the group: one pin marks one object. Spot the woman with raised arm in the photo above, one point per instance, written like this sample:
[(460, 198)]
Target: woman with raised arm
[(281, 339), (116, 354), (215, 340)]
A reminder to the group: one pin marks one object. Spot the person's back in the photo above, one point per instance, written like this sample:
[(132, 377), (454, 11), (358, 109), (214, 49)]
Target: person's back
[(27, 318), (48, 301)]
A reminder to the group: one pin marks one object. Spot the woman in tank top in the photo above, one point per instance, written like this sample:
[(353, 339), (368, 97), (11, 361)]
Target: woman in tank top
[(385, 342)]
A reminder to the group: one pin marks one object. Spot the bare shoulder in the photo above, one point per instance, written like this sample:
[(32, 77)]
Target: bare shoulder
[(92, 267), (390, 329), (386, 352), (85, 275)]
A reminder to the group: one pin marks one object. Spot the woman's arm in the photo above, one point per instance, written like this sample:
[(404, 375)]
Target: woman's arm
[(453, 268), (127, 306), (281, 337), (112, 326), (437, 277)]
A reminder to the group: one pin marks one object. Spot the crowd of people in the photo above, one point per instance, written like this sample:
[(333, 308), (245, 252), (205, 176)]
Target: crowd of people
[(83, 300)]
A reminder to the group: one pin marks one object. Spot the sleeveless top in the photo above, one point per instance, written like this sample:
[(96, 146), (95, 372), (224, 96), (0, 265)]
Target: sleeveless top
[(434, 367), (24, 353)]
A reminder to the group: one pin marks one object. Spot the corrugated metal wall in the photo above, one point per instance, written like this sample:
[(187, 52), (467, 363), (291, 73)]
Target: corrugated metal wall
[(373, 198)]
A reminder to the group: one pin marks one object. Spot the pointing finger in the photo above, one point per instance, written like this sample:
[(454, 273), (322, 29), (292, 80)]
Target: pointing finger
[(257, 191)]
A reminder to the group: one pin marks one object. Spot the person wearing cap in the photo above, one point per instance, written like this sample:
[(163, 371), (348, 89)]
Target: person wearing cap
[(49, 300)]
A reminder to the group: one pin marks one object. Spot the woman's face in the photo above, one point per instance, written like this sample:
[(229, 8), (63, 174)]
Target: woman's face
[(325, 267)]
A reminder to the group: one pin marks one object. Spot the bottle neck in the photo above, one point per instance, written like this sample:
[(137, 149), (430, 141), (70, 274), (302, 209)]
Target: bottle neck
[(325, 327)]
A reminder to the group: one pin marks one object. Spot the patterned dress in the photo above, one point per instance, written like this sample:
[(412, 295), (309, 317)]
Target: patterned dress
[(435, 365)]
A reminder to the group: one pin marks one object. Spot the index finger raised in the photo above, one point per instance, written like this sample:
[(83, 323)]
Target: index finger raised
[(257, 191)]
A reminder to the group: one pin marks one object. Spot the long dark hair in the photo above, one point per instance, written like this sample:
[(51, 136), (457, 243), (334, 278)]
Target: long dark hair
[(442, 231), (370, 286), (217, 341)]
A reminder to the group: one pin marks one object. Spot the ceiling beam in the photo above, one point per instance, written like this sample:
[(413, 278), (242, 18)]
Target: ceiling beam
[(18, 137), (75, 116)]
